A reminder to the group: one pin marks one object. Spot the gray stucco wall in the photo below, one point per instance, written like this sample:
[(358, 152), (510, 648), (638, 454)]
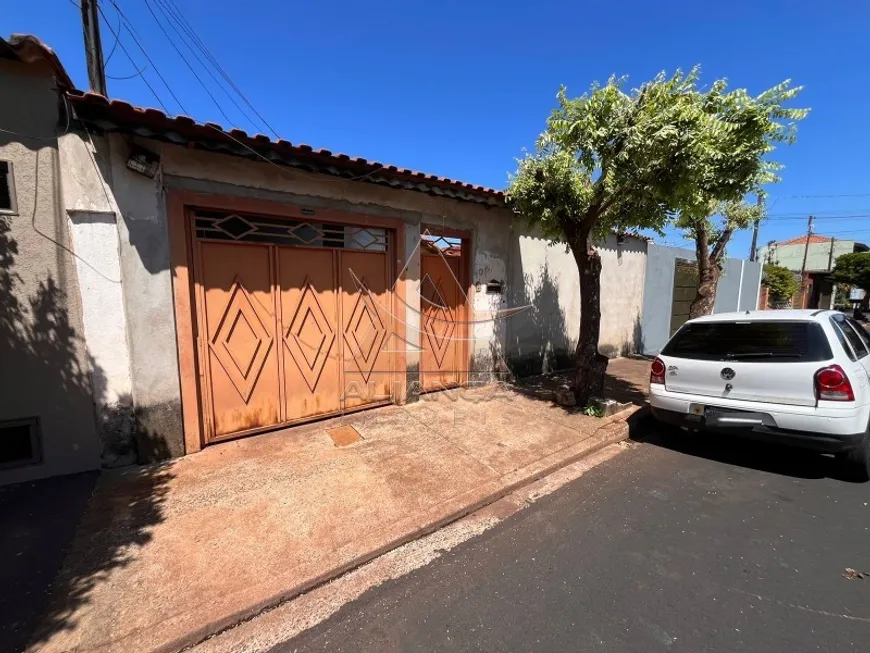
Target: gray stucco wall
[(44, 369), (144, 254), (544, 277), (529, 270), (737, 290)]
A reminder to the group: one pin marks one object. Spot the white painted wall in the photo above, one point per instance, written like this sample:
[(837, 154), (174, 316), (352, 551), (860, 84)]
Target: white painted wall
[(92, 210), (95, 242), (546, 277)]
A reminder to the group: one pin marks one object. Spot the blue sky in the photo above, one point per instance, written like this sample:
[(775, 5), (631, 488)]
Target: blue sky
[(459, 88)]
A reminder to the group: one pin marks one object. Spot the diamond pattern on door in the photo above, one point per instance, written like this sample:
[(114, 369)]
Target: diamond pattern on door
[(365, 332), (241, 343), (439, 322), (309, 338)]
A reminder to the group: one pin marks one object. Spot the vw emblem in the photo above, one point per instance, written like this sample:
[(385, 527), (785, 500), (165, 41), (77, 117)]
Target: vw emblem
[(727, 373)]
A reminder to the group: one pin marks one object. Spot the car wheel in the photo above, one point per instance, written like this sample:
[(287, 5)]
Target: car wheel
[(858, 462)]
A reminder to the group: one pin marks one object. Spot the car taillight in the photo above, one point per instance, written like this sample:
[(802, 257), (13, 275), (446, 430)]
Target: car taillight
[(657, 371), (832, 384)]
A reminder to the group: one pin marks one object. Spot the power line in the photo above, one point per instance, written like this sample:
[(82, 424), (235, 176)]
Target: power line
[(847, 231), (131, 75), (830, 212), (173, 20), (785, 197), (188, 29), (132, 29), (187, 63), (824, 217), (115, 45), (130, 57)]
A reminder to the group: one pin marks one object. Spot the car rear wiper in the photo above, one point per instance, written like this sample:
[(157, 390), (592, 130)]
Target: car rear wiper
[(762, 354)]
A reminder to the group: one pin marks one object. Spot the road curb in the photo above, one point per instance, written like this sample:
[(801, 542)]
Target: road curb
[(613, 429)]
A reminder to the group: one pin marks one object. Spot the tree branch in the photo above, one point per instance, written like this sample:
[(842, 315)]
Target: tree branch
[(600, 205), (719, 246)]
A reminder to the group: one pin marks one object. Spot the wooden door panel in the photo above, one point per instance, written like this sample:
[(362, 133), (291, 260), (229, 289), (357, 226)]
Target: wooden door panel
[(366, 324), (442, 332), (240, 337), (310, 333)]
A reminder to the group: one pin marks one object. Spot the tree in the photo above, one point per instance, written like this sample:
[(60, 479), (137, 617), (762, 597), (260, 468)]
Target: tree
[(617, 160), (711, 237), (743, 129), (781, 283), (853, 269)]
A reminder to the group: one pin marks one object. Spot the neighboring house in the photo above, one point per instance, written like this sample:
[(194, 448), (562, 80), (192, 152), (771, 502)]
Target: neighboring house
[(47, 423), (222, 284), (819, 290)]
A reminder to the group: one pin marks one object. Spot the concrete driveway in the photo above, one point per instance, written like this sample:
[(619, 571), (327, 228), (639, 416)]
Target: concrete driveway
[(170, 554)]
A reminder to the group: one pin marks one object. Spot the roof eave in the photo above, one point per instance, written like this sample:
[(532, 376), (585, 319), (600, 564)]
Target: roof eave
[(117, 116), (27, 48)]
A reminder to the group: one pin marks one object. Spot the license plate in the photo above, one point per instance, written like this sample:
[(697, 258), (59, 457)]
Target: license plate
[(697, 409)]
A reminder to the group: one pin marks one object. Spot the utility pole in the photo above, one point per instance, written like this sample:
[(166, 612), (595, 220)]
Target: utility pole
[(804, 264), (753, 251), (93, 46)]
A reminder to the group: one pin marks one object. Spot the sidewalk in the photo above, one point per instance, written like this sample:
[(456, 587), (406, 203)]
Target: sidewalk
[(170, 554)]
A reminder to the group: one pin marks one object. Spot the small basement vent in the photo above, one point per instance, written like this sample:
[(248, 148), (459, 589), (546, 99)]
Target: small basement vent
[(20, 443), (7, 188)]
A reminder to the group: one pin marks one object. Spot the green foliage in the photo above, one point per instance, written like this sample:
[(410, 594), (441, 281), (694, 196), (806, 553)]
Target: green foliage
[(593, 410), (853, 269), (725, 218), (612, 159), (781, 282)]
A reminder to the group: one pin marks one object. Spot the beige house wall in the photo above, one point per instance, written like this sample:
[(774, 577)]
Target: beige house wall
[(515, 262), (545, 278), (44, 368)]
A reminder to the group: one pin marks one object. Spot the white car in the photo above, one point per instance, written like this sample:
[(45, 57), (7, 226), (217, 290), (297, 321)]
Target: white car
[(799, 377)]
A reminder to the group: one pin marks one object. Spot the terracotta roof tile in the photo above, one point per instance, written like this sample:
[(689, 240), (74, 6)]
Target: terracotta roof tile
[(27, 48), (122, 116), (801, 240)]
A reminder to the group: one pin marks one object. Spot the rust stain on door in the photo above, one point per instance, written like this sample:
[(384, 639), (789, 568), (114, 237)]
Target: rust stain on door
[(443, 330), (290, 332)]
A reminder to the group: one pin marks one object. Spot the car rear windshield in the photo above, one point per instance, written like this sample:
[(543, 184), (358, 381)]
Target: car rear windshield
[(776, 341)]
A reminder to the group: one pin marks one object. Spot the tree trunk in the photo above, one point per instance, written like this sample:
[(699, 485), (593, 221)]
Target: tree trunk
[(705, 298), (591, 366), (708, 277)]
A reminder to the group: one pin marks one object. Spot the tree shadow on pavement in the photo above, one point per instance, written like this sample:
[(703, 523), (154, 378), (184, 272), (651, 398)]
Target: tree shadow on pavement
[(741, 452), (38, 521), (43, 366), (116, 524)]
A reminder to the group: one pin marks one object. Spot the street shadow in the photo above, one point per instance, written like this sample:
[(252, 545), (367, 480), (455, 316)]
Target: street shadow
[(38, 521), (741, 452), (46, 376), (545, 387), (117, 523)]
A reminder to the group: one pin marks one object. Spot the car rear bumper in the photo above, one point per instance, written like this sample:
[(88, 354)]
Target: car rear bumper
[(825, 442), (820, 428)]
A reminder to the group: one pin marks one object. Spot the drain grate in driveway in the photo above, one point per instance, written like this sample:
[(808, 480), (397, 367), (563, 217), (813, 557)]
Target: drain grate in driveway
[(343, 436)]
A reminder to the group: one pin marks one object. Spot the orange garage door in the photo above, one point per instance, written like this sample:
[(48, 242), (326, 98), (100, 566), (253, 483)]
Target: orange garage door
[(293, 319)]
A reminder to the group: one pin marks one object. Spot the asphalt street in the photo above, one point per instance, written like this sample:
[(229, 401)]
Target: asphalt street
[(682, 543)]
